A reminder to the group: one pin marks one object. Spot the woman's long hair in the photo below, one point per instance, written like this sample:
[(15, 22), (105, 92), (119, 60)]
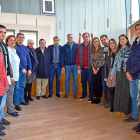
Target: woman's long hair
[(92, 47), (109, 49), (127, 44), (7, 38)]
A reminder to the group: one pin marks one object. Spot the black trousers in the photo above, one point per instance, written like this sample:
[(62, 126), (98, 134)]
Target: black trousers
[(112, 92), (97, 84), (27, 89)]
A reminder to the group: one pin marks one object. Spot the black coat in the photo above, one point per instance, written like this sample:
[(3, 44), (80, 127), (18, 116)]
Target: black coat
[(44, 63), (51, 48), (107, 64)]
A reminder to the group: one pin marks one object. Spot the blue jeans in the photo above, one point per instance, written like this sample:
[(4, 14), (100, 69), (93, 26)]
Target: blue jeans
[(19, 89), (105, 87), (16, 94), (71, 69), (3, 101), (54, 69), (133, 93), (87, 76)]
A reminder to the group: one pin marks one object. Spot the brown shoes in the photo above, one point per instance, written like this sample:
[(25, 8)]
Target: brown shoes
[(74, 96), (65, 95)]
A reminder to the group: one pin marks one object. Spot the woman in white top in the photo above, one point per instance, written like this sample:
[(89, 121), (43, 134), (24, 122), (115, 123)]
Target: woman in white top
[(15, 61)]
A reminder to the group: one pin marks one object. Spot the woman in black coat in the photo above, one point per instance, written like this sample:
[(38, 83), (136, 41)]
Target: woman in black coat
[(32, 78), (109, 61)]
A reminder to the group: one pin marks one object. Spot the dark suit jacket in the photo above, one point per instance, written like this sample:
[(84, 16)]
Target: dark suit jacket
[(51, 48)]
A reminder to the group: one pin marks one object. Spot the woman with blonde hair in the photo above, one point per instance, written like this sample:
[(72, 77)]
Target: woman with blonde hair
[(15, 61), (109, 61), (96, 61)]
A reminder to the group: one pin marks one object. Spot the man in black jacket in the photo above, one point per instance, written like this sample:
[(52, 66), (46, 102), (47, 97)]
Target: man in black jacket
[(55, 50), (43, 70)]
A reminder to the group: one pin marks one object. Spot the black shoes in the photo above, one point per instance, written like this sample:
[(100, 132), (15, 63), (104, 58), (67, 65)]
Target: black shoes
[(1, 127), (137, 127), (111, 110), (38, 97), (24, 103), (130, 119), (97, 101), (93, 101), (18, 108), (44, 96), (31, 99), (2, 133), (50, 96), (58, 95)]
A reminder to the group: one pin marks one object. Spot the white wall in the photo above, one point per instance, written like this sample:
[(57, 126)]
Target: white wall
[(73, 13), (46, 25)]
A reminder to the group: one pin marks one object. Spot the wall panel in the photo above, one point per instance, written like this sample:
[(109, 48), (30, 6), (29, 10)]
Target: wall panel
[(95, 12)]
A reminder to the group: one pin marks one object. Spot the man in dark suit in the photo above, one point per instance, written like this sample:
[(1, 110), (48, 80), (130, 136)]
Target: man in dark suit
[(55, 50), (43, 71)]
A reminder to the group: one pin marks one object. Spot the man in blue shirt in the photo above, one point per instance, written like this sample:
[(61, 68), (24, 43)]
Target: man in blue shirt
[(55, 50), (24, 68), (68, 63)]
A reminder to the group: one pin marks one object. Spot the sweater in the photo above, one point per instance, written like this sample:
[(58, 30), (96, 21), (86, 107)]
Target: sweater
[(68, 54), (24, 56)]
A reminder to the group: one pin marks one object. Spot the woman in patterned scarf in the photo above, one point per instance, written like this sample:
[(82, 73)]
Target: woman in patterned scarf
[(122, 99)]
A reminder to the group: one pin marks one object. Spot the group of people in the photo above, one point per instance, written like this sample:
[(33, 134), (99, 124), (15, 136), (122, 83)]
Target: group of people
[(112, 67)]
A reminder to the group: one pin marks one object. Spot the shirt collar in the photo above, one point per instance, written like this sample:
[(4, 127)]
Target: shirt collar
[(56, 46), (85, 45), (70, 44)]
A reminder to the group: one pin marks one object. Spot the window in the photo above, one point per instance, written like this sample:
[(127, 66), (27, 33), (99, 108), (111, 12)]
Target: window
[(135, 10), (9, 32), (30, 35)]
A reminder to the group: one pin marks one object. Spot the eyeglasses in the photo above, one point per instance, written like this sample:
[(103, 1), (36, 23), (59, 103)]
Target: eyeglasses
[(95, 41), (21, 37), (111, 43)]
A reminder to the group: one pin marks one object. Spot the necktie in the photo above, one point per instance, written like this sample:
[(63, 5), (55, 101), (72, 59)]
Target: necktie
[(55, 53)]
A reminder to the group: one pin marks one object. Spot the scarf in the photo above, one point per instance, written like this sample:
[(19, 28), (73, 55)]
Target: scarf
[(32, 52), (123, 55)]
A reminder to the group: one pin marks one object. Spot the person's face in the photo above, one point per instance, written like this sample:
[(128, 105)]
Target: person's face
[(111, 45), (86, 38), (11, 42), (56, 41), (96, 43), (2, 34), (137, 31), (123, 41), (42, 44), (70, 38), (104, 41), (31, 44), (20, 39)]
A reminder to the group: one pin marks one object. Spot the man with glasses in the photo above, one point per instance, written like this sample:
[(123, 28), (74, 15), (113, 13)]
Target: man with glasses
[(68, 63), (25, 63)]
